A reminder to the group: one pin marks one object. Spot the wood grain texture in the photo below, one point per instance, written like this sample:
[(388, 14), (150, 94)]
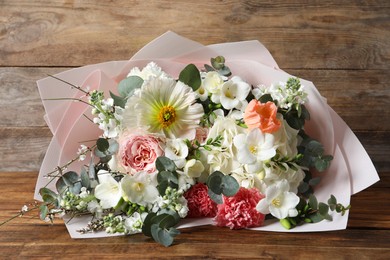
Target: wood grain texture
[(343, 47), (325, 34)]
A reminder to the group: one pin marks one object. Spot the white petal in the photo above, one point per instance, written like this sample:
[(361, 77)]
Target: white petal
[(262, 207)]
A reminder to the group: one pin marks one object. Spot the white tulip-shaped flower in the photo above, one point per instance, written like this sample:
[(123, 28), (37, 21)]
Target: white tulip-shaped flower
[(254, 148), (108, 190), (139, 189), (233, 92), (279, 201), (177, 151)]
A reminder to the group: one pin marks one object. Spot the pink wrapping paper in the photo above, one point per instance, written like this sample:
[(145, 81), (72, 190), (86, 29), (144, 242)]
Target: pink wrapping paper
[(351, 170)]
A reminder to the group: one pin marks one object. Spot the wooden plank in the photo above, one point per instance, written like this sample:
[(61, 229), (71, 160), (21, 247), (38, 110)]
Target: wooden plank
[(368, 235), (326, 34), (354, 95)]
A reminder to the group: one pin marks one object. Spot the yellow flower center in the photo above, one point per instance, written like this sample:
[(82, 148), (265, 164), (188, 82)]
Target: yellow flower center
[(253, 149), (166, 116), (276, 202), (138, 186)]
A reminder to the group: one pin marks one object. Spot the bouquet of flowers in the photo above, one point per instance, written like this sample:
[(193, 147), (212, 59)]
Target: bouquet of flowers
[(184, 135)]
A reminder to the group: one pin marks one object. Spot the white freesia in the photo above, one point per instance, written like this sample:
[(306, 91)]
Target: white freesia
[(139, 189), (212, 82), (108, 190), (193, 168), (177, 151), (254, 148), (279, 201), (233, 92)]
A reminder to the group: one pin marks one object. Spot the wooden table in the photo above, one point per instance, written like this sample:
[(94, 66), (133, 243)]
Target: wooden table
[(344, 48)]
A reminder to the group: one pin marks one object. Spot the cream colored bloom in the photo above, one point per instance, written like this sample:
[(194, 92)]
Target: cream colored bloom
[(108, 190), (138, 188), (164, 106)]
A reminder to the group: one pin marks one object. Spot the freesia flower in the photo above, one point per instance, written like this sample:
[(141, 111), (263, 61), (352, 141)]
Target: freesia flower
[(139, 189), (233, 92), (262, 116), (164, 106), (254, 148), (199, 202), (279, 201), (108, 190), (240, 211), (193, 168), (177, 151)]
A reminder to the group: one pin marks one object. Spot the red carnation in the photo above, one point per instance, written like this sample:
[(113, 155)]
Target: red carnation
[(240, 211), (199, 203)]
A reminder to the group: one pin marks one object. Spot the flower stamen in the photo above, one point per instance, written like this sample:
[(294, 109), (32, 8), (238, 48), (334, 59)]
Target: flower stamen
[(167, 116)]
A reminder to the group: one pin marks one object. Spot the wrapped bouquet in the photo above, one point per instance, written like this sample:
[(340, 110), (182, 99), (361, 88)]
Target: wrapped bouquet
[(184, 134)]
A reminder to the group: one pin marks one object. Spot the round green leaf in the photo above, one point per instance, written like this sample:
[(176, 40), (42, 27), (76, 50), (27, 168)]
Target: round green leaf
[(128, 85), (102, 144), (190, 76), (230, 186)]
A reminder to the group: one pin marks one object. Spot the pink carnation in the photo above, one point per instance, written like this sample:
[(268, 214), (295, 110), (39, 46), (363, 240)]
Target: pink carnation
[(240, 211), (199, 203), (139, 152)]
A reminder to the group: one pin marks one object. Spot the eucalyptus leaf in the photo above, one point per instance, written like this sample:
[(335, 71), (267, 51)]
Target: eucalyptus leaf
[(118, 101), (102, 144), (85, 181), (217, 198), (230, 186), (321, 164), (265, 98), (323, 209), (43, 211), (313, 203), (316, 217), (165, 164), (167, 176), (127, 86), (190, 76), (315, 181), (146, 227)]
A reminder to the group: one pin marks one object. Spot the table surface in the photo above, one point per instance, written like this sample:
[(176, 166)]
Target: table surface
[(341, 46)]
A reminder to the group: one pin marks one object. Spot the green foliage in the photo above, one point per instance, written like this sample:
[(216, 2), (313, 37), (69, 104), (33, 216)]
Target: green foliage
[(312, 211), (220, 184), (161, 226), (218, 64), (105, 148), (167, 175), (190, 76), (69, 181), (266, 98), (118, 101), (128, 85)]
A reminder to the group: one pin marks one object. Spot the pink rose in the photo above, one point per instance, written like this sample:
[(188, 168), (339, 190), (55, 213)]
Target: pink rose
[(199, 202), (240, 211), (139, 152)]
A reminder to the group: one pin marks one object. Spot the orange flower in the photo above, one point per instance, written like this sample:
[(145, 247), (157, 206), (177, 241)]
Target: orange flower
[(263, 116)]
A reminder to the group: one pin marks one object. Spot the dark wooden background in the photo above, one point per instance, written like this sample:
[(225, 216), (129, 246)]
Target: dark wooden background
[(341, 46)]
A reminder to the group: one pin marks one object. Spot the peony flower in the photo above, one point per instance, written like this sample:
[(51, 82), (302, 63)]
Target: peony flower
[(108, 190), (177, 151), (164, 106), (199, 202), (279, 201), (233, 92), (254, 149), (138, 152), (262, 116), (240, 211), (138, 188)]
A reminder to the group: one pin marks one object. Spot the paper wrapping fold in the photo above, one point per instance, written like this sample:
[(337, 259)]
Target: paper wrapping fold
[(351, 170)]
